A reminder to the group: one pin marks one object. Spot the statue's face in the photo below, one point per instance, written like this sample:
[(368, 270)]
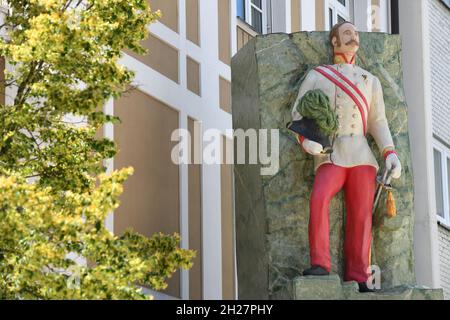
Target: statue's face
[(349, 39)]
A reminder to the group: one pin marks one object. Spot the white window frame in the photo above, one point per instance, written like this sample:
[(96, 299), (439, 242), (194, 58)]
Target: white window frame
[(446, 3), (338, 9), (445, 154), (248, 5)]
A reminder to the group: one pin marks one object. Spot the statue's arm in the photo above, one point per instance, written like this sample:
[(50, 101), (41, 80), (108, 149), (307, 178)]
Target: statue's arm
[(378, 126), (308, 84)]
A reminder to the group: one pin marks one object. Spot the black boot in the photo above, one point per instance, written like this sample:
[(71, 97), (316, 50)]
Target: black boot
[(363, 288), (316, 271)]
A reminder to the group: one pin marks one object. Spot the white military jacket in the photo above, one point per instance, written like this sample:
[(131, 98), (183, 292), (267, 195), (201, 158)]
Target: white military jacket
[(350, 147)]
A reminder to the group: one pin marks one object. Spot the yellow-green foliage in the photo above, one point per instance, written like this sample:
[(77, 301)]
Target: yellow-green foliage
[(54, 195), (39, 228)]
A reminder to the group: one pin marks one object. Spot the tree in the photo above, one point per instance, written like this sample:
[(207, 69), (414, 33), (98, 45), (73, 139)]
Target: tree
[(54, 194)]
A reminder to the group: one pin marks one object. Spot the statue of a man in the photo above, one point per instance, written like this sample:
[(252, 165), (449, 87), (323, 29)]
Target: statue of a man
[(357, 98)]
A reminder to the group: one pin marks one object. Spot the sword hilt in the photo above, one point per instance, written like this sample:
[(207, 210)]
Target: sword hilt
[(383, 183)]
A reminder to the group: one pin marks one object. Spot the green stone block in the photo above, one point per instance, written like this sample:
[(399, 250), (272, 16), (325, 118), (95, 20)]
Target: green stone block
[(318, 288), (331, 288), (272, 212), (397, 293)]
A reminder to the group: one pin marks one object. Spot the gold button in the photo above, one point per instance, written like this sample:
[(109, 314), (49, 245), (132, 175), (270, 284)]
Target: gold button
[(340, 116), (339, 95), (352, 134), (353, 126), (339, 107), (354, 115), (355, 107)]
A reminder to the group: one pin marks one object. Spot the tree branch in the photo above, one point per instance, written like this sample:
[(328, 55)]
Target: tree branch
[(24, 85)]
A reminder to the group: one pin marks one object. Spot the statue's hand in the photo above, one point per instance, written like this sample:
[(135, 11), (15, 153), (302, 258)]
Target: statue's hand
[(312, 147), (393, 163)]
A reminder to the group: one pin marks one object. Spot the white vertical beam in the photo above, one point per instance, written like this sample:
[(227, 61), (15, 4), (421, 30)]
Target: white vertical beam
[(210, 48), (384, 16), (308, 18), (233, 14), (182, 43), (288, 16), (184, 211), (108, 132), (183, 168), (264, 22), (281, 16), (212, 231), (248, 11), (211, 222), (362, 14), (326, 14), (414, 30)]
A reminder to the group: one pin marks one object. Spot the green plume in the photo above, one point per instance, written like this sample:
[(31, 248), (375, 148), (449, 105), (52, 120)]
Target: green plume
[(316, 105)]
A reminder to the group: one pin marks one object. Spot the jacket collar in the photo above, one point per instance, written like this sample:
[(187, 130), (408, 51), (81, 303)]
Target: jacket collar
[(340, 58)]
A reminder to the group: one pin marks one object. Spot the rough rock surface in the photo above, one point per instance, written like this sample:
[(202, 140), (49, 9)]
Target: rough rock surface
[(331, 288)]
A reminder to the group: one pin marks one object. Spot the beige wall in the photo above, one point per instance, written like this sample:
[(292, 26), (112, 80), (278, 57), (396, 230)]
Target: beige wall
[(193, 75), (195, 220), (193, 21), (242, 37), (169, 12), (224, 31), (225, 94), (151, 201), (320, 15), (161, 57), (228, 268), (295, 12)]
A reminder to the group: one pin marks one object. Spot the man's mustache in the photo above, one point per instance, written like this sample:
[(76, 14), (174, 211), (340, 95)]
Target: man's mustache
[(352, 42)]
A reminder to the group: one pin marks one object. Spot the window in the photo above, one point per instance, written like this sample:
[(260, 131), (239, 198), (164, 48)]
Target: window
[(441, 155), (338, 11), (446, 3), (240, 8), (253, 13), (257, 14)]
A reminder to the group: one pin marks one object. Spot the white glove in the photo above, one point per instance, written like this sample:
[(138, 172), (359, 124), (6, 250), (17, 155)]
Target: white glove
[(312, 147), (393, 163)]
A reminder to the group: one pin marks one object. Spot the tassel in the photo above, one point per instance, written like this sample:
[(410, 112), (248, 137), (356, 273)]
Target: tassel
[(390, 205)]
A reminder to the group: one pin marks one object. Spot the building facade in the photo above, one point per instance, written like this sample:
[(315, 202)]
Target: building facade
[(439, 33), (184, 82)]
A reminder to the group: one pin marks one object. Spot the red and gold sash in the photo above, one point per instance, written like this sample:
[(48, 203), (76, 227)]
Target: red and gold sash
[(349, 88)]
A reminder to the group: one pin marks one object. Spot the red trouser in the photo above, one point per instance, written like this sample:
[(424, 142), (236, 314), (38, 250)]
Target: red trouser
[(359, 185)]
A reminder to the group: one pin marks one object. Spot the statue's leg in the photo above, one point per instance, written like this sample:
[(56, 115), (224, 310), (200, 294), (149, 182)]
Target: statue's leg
[(359, 194), (328, 181)]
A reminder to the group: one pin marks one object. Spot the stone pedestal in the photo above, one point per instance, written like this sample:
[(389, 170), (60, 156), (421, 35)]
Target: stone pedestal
[(331, 288), (272, 212)]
